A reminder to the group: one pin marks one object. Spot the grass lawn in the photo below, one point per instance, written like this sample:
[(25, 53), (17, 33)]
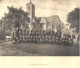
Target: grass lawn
[(32, 49), (48, 49)]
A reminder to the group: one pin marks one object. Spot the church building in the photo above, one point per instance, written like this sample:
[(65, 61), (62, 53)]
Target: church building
[(42, 23)]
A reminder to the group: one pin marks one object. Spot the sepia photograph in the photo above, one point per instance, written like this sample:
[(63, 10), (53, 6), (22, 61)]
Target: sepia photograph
[(39, 27)]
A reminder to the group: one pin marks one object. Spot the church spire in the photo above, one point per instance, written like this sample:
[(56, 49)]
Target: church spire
[(30, 0)]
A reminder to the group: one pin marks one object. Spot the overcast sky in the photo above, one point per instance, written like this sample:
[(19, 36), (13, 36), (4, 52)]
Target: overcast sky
[(44, 8)]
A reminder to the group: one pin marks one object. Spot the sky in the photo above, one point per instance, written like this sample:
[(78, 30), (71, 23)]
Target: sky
[(43, 8)]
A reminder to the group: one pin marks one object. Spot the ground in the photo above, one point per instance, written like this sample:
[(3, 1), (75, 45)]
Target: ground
[(32, 49)]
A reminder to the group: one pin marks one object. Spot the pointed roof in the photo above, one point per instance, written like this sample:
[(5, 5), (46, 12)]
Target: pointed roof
[(54, 18), (51, 19), (43, 20), (34, 20), (30, 2)]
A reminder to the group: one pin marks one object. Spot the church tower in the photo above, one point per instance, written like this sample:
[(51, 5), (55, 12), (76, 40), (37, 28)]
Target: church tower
[(31, 10), (31, 14)]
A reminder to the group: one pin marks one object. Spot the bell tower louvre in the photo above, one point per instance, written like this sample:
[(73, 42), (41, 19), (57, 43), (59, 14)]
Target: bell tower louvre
[(31, 10)]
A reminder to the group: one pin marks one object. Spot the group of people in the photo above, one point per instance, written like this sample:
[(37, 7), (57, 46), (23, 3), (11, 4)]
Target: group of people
[(44, 36)]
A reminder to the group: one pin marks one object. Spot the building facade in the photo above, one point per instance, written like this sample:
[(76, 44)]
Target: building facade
[(39, 28), (46, 23)]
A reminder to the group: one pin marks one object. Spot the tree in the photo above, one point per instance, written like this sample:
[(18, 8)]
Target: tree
[(73, 18), (14, 18)]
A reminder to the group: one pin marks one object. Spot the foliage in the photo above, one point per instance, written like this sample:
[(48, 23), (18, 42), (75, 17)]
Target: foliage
[(15, 18), (73, 18)]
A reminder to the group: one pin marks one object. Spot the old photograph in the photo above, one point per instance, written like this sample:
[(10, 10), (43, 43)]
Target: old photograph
[(39, 27)]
